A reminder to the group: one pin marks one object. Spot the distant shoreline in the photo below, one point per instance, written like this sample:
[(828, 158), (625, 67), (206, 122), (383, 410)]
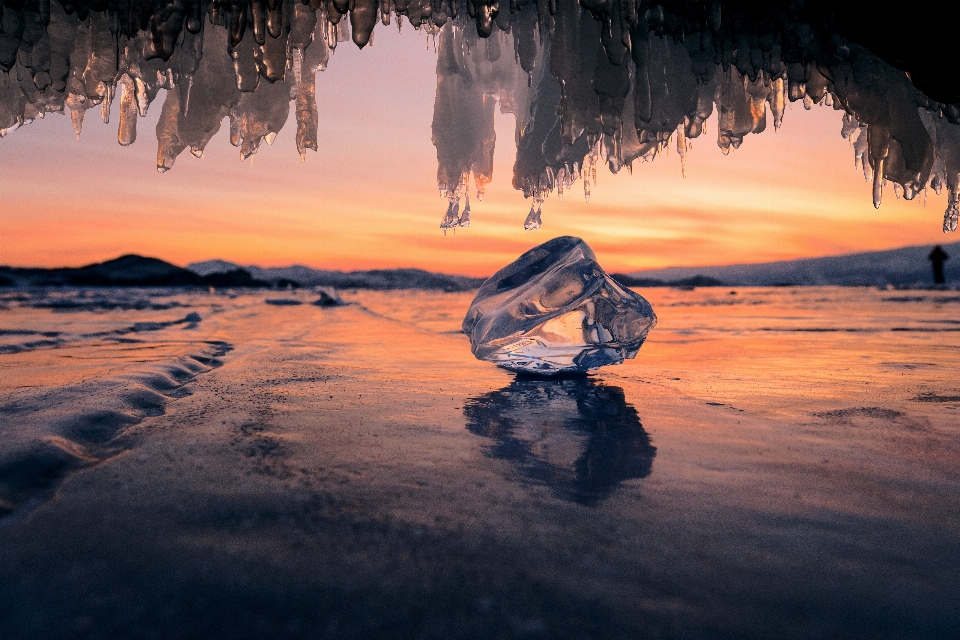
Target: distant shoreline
[(903, 267), (906, 267), (139, 271)]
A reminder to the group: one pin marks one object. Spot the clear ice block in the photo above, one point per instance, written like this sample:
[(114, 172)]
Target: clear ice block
[(554, 310)]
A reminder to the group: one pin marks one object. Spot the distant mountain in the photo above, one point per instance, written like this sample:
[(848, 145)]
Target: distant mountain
[(898, 267), (380, 279), (126, 271), (213, 266), (691, 282)]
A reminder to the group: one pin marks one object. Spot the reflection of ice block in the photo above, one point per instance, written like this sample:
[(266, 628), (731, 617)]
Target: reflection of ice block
[(579, 437), (554, 310)]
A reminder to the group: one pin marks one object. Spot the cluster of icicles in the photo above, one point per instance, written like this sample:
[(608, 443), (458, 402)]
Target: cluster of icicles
[(588, 81)]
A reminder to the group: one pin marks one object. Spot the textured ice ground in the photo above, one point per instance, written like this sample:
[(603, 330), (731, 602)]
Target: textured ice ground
[(590, 82), (776, 462)]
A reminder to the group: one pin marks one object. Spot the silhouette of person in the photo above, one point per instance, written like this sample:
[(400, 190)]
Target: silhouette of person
[(938, 256)]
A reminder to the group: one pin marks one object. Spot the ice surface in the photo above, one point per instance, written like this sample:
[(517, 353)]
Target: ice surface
[(312, 484), (554, 310), (588, 81)]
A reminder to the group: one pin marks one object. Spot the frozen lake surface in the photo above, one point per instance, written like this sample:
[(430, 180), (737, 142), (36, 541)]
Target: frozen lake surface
[(775, 463)]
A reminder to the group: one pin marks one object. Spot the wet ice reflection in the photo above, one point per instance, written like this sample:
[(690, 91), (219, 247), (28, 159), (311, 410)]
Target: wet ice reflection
[(578, 436)]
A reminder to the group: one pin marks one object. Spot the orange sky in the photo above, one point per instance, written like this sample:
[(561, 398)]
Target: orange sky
[(369, 198)]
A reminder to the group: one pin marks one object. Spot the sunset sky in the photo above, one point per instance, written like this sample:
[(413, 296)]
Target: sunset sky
[(369, 198)]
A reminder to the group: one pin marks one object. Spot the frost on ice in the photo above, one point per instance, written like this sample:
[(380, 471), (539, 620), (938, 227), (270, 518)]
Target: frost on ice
[(589, 82), (554, 310)]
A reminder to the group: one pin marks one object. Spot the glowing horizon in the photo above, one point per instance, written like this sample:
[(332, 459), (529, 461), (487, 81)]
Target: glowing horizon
[(369, 199)]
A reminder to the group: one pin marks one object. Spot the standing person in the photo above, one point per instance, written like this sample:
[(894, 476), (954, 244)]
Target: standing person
[(938, 256)]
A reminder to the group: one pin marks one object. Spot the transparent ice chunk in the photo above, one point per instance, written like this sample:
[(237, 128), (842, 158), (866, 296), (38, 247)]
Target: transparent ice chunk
[(554, 310)]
